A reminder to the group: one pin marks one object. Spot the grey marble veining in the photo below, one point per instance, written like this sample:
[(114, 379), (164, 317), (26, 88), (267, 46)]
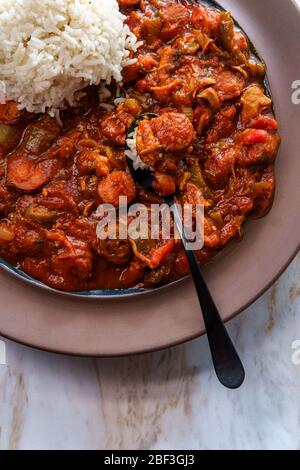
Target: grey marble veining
[(165, 400)]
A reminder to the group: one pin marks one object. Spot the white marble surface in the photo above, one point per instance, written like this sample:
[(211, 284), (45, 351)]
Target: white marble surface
[(166, 400)]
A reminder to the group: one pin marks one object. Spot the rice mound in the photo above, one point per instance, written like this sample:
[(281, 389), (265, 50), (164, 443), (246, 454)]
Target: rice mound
[(51, 49)]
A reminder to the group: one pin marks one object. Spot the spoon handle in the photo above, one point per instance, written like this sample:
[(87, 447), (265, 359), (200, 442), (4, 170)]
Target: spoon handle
[(227, 364)]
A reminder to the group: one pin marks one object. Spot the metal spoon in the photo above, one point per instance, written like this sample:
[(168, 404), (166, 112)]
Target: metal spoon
[(227, 363)]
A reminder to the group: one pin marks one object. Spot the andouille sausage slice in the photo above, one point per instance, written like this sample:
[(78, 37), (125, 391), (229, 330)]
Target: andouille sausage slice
[(115, 185)]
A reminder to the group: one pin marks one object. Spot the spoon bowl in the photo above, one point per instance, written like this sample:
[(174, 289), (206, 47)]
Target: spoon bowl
[(227, 364)]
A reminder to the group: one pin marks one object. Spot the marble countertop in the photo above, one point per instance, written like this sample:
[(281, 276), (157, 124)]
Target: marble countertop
[(164, 400)]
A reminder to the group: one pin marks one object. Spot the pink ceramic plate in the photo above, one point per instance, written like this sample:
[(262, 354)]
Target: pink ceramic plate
[(237, 277)]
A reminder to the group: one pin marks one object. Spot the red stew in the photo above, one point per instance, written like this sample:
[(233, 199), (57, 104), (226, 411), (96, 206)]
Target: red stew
[(215, 141)]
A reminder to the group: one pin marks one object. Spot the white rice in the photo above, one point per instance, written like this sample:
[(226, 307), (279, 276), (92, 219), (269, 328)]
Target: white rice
[(132, 154), (51, 49)]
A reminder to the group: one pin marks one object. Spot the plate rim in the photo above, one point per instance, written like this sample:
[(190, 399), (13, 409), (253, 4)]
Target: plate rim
[(293, 253)]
